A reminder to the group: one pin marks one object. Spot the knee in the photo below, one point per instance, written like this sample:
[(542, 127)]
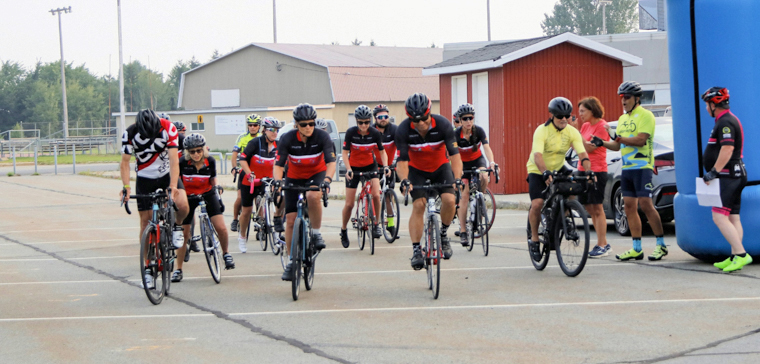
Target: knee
[(536, 205), (349, 205), (419, 204)]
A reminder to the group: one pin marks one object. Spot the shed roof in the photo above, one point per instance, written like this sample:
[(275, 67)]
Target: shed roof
[(387, 84), (356, 56)]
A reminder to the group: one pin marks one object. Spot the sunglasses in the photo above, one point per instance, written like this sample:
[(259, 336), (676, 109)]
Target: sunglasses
[(195, 151), (382, 117), (467, 118), (273, 130), (303, 125), (253, 125), (362, 122), (560, 117), (626, 97), (420, 119)]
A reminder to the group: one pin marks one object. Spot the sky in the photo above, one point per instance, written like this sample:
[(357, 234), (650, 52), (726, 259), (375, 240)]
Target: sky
[(158, 33)]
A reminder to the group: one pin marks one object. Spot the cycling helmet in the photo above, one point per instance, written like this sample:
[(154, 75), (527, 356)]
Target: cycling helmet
[(630, 88), (303, 112), (716, 95), (321, 123), (179, 125), (417, 106), (362, 113), (254, 119), (379, 108), (270, 122), (164, 115), (560, 106), (194, 140), (465, 109), (455, 119), (148, 123)]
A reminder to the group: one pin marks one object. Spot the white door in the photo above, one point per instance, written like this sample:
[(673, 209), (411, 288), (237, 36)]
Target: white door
[(458, 93), (480, 100)]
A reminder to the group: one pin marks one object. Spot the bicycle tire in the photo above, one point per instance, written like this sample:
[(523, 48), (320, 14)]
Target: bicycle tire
[(390, 194), (255, 216), (434, 272), (149, 258), (572, 254), (271, 234), (283, 255), (543, 246), (168, 259), (472, 226), (211, 249), (371, 220), (295, 251), (361, 233), (483, 224)]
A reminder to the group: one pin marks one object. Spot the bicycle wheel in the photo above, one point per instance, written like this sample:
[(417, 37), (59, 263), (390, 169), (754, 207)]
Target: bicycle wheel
[(543, 244), (361, 224), (259, 221), (283, 254), (295, 247), (211, 249), (371, 221), (483, 223), (436, 255), (390, 195), (489, 198), (271, 234), (150, 263), (168, 256), (472, 227), (309, 264), (572, 249)]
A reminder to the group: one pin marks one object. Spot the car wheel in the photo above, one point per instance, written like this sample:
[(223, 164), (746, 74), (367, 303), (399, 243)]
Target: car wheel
[(621, 221)]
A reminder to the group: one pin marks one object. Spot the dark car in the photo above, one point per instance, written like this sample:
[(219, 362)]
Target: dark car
[(664, 179)]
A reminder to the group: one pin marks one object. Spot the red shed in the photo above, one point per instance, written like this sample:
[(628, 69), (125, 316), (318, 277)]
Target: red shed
[(510, 85)]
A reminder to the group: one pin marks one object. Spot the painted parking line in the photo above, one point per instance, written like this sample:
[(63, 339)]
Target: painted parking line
[(73, 241), (71, 318), (71, 229)]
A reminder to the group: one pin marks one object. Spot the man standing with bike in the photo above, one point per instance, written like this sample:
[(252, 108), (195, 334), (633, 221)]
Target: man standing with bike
[(310, 156), (551, 141), (359, 147), (635, 141), (426, 142), (383, 125), (253, 123), (153, 142)]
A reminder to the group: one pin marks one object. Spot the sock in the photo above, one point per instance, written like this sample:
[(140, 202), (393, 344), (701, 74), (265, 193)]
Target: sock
[(637, 244), (444, 229), (743, 255), (314, 231), (660, 240), (391, 223), (416, 245)]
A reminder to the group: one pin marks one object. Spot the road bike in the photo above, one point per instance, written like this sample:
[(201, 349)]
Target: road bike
[(262, 217), (364, 219), (209, 239), (478, 220), (390, 209)]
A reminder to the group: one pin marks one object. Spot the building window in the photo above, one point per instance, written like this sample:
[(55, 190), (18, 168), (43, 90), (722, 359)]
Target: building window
[(197, 127), (648, 97)]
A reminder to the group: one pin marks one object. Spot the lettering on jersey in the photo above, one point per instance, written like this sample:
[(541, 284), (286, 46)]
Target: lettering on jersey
[(726, 136)]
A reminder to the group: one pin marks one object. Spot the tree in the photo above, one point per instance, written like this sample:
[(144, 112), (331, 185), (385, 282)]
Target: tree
[(356, 42), (215, 55), (372, 43), (432, 45), (584, 17)]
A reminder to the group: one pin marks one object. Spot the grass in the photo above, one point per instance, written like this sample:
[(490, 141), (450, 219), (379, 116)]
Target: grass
[(67, 159), (11, 174)]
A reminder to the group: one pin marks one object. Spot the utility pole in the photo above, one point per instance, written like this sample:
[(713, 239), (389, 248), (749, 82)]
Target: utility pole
[(121, 75), (63, 73), (274, 19), (604, 14), (488, 11)]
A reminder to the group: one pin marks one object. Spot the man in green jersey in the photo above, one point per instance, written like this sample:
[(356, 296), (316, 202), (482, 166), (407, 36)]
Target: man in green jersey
[(254, 125), (635, 141)]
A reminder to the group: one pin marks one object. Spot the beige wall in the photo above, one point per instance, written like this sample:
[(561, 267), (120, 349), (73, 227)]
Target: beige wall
[(342, 109)]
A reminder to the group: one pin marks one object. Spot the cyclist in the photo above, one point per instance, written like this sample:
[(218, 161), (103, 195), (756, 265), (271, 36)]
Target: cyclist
[(321, 124), (470, 138), (198, 172), (383, 125), (423, 139), (723, 160), (359, 147), (253, 122), (635, 140), (153, 142), (455, 120), (551, 141), (310, 155), (256, 161)]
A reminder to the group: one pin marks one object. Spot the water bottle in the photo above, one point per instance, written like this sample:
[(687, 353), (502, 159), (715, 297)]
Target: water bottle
[(472, 210), (178, 237)]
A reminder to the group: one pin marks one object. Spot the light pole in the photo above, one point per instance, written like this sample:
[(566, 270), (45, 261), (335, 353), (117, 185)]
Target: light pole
[(274, 19), (63, 73), (488, 12), (121, 76), (604, 15)]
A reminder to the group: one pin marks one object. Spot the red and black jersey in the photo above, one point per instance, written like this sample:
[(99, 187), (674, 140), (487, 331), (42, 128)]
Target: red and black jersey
[(362, 148), (259, 158), (727, 131), (151, 154), (389, 143), (180, 144), (426, 153), (307, 157), (469, 148), (197, 181)]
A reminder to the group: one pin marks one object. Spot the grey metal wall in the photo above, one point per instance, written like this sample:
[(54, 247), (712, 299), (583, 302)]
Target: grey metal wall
[(651, 47), (254, 72)]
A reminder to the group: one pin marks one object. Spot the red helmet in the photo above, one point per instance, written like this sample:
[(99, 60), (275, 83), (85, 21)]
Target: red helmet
[(716, 95)]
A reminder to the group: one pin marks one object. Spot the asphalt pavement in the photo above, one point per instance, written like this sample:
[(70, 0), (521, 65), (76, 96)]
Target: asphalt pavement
[(69, 292)]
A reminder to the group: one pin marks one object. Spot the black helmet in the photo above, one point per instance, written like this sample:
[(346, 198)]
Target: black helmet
[(417, 106), (148, 123), (560, 106), (465, 109), (379, 108), (630, 88), (362, 113), (194, 140), (164, 115), (179, 125), (304, 112), (717, 95)]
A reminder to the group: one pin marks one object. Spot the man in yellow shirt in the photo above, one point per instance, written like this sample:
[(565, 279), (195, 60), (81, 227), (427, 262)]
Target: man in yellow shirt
[(253, 123), (551, 141)]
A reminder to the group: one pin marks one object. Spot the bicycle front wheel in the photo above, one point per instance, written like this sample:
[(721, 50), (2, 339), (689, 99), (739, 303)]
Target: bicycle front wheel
[(482, 222), (151, 268), (390, 203), (572, 235), (361, 224), (295, 251), (212, 249), (259, 220), (371, 221), (543, 244), (435, 255)]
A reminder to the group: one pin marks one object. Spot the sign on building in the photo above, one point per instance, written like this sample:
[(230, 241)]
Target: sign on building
[(229, 124)]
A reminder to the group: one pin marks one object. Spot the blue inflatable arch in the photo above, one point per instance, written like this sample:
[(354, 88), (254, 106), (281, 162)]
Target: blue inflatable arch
[(713, 43)]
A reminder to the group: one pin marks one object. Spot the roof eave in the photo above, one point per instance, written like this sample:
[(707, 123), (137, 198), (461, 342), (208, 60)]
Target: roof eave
[(467, 67)]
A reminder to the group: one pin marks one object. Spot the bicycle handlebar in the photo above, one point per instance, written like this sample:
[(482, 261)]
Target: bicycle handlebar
[(159, 193), (558, 176), (431, 186), (279, 197), (487, 170)]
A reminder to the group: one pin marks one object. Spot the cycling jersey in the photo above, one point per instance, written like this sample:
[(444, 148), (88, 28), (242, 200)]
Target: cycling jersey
[(639, 120), (362, 148), (469, 148), (151, 154), (429, 152), (180, 145), (197, 181), (727, 131), (243, 140), (305, 158), (260, 160), (553, 143), (389, 143)]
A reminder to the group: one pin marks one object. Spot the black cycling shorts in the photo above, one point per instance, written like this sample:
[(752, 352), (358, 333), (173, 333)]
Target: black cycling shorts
[(442, 175), (636, 183), (291, 196), (213, 207), (354, 182), (731, 195), (595, 196), (246, 198), (536, 186), (478, 163), (144, 186)]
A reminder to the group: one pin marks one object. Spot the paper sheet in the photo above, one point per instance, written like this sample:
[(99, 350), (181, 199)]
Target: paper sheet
[(709, 195)]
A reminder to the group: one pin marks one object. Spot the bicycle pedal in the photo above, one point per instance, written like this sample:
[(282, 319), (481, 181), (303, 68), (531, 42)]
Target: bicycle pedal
[(196, 238)]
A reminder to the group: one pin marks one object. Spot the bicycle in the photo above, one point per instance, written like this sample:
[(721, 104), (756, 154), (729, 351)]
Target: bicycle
[(156, 249), (364, 219), (478, 222), (488, 195), (303, 253), (431, 234), (558, 227), (263, 224), (390, 201), (192, 228), (212, 248)]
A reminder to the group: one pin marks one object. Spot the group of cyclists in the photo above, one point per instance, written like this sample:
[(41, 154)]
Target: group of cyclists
[(423, 147)]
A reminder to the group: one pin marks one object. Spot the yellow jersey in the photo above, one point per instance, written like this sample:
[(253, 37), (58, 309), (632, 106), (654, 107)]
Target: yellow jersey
[(553, 144)]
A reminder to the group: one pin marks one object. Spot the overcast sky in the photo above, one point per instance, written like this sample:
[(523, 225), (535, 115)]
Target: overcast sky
[(160, 32)]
